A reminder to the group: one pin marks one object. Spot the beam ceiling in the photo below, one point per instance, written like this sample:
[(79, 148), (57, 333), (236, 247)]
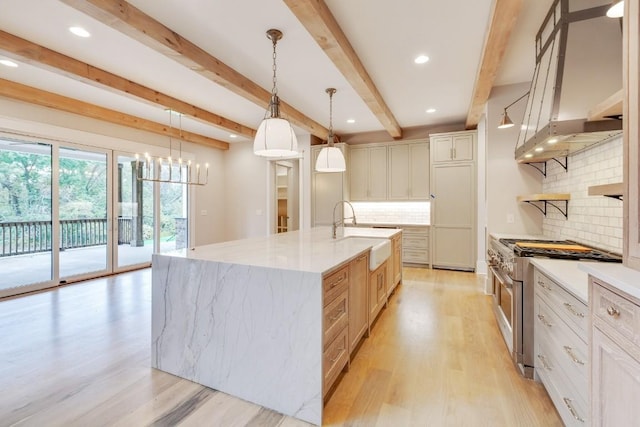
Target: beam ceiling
[(32, 95), (503, 19), (321, 24), (141, 27)]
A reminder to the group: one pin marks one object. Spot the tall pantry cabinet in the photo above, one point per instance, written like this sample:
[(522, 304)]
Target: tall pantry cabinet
[(453, 200)]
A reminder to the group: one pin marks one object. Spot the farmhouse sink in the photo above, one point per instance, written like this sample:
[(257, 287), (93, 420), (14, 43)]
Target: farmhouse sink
[(379, 254)]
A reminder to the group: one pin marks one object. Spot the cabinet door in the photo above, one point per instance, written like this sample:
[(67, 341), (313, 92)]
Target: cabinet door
[(453, 216), (419, 171), (442, 148), (377, 173), (399, 173), (377, 291), (359, 173), (462, 147), (615, 383), (358, 303)]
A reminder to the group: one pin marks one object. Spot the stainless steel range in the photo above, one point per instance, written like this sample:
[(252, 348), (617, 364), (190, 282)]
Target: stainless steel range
[(511, 276)]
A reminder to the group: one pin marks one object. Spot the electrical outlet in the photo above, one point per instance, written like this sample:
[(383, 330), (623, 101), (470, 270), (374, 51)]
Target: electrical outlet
[(203, 212), (510, 218)]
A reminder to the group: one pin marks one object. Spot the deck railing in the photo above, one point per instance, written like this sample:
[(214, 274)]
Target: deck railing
[(26, 237)]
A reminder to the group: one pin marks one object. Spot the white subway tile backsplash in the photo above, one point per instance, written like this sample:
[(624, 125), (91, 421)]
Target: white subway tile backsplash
[(392, 212), (593, 220)]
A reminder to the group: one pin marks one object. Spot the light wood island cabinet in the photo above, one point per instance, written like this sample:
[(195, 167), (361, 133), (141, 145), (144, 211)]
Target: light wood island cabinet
[(377, 291), (358, 301), (335, 325)]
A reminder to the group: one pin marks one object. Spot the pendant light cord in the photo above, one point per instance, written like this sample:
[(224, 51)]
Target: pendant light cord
[(274, 90)]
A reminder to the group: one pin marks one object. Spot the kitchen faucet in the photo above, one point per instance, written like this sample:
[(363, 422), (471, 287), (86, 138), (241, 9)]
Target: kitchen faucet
[(336, 223)]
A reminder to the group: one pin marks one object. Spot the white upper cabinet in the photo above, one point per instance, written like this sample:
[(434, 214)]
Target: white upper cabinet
[(409, 171), (455, 147), (368, 173)]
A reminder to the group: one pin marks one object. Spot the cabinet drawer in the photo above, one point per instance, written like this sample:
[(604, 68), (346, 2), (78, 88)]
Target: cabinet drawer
[(416, 256), (334, 358), (335, 317), (416, 242), (616, 311), (570, 308), (335, 283), (563, 348), (572, 408), (415, 231)]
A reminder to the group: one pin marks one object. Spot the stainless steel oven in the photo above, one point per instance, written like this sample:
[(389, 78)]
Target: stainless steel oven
[(511, 276)]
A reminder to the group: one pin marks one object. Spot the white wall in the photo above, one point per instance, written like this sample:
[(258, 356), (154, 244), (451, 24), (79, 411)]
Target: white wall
[(506, 179), (593, 220)]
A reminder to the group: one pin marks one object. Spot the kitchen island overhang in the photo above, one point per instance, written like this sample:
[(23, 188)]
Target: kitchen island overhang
[(246, 317)]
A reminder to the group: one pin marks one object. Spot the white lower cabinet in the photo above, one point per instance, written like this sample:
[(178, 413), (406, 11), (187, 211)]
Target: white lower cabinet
[(615, 356), (415, 245), (561, 349)]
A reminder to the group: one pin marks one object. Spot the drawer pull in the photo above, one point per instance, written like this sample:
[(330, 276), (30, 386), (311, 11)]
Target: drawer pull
[(337, 282), (573, 357), (573, 310), (544, 362), (612, 311), (336, 316), (573, 411), (339, 353), (544, 320), (543, 285)]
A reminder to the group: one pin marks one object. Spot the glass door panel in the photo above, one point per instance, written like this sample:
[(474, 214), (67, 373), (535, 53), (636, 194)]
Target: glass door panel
[(25, 216), (173, 212), (134, 205), (83, 225)]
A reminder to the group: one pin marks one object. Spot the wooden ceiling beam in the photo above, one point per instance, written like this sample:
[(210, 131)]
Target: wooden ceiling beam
[(36, 96), (136, 24), (39, 56), (321, 24), (504, 15)]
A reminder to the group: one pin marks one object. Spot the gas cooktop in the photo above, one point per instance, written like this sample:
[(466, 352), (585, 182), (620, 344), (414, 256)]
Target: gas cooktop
[(560, 249)]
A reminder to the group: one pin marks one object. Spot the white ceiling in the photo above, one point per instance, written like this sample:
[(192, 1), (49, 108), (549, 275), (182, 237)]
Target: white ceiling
[(386, 35)]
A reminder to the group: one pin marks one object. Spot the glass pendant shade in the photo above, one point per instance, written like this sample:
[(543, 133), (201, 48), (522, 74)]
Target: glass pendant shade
[(275, 138), (330, 159), (616, 10)]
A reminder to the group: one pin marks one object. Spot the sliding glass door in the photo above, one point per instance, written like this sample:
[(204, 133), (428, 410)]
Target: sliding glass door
[(26, 234), (82, 203)]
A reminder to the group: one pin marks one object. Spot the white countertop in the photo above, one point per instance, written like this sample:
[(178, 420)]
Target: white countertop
[(395, 224), (617, 275), (305, 250), (568, 274)]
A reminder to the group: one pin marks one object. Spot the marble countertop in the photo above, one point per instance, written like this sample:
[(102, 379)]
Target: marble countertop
[(616, 275), (568, 274), (311, 250), (394, 224)]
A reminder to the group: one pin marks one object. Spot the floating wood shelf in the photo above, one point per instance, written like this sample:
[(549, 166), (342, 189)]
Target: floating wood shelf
[(540, 202), (608, 190)]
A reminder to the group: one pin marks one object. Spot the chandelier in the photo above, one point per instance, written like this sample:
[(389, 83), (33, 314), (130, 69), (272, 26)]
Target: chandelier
[(330, 158), (275, 136), (170, 170)]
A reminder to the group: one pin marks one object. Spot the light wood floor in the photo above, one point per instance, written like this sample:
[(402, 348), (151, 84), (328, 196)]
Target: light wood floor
[(80, 356)]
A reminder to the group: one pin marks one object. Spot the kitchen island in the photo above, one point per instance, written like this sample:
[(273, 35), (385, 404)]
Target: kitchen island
[(248, 318)]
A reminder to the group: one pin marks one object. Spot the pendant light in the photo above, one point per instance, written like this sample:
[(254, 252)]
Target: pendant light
[(330, 158), (275, 136), (616, 10)]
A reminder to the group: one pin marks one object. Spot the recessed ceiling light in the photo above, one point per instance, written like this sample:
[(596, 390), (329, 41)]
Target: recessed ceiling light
[(80, 32), (431, 110), (8, 63), (233, 135), (351, 120), (421, 59), (539, 149)]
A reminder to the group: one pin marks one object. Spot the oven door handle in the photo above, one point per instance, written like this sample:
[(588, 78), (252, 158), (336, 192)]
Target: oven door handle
[(502, 278)]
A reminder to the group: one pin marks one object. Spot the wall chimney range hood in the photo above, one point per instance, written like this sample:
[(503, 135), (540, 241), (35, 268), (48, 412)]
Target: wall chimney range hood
[(576, 82)]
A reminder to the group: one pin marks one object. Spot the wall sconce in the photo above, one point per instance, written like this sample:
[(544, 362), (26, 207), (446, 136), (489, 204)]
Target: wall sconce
[(505, 121)]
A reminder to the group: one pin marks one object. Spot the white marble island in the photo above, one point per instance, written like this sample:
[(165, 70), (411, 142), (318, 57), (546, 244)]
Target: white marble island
[(246, 317)]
